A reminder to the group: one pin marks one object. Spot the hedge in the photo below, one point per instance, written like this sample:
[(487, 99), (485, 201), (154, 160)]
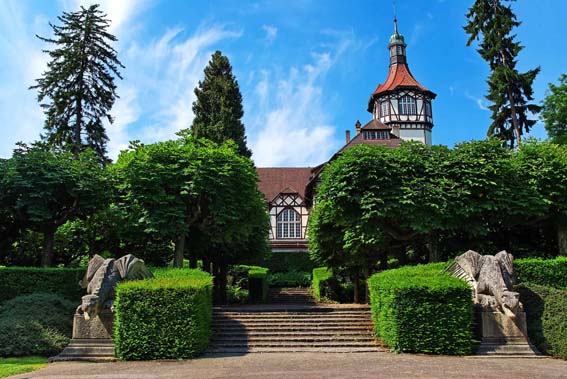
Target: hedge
[(546, 317), (18, 281), (545, 272), (290, 261), (290, 279), (166, 317), (421, 309), (320, 283), (258, 284)]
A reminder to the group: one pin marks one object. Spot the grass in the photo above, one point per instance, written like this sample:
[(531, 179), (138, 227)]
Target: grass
[(15, 366)]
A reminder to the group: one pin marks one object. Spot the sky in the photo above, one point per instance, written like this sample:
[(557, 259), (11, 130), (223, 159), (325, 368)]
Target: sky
[(306, 68)]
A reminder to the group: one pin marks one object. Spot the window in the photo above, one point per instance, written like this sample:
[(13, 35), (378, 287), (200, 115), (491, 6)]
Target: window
[(383, 108), (376, 134), (428, 109), (288, 224), (406, 105)]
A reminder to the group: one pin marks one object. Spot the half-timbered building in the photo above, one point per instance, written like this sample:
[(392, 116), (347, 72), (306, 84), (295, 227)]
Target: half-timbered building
[(401, 110)]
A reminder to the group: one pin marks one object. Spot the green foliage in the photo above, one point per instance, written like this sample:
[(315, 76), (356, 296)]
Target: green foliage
[(218, 107), (79, 82), (35, 324), (289, 261), (15, 366), (238, 295), (421, 309), (258, 283), (290, 279), (543, 272), (509, 90), (554, 111), (45, 189), (166, 317), (19, 281), (546, 318), (321, 275)]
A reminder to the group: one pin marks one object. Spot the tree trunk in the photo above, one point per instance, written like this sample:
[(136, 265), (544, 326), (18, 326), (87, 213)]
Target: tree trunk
[(562, 237), (47, 249), (179, 250), (356, 285), (223, 268), (367, 275), (433, 247), (207, 265), (216, 283)]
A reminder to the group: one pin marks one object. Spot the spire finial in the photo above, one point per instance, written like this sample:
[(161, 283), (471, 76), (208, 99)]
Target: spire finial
[(395, 17)]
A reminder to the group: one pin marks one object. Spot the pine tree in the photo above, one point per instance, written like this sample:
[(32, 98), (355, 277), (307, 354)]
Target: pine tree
[(78, 87), (218, 108), (510, 91)]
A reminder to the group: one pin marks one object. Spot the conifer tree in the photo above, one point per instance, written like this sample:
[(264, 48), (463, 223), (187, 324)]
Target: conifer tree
[(77, 90), (510, 91), (218, 108)]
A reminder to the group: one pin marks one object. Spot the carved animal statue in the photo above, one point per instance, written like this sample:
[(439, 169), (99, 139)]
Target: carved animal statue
[(490, 277), (101, 279)]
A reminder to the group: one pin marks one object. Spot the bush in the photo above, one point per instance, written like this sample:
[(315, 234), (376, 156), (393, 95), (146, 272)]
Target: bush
[(290, 261), (546, 317), (321, 284), (290, 279), (544, 272), (421, 309), (258, 284), (36, 324), (166, 317), (18, 281), (235, 294)]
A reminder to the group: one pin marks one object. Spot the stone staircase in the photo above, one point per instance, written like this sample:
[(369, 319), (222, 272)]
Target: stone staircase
[(292, 322)]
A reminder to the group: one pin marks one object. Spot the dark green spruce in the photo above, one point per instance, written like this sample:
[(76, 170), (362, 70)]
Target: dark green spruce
[(218, 108), (509, 91), (77, 90)]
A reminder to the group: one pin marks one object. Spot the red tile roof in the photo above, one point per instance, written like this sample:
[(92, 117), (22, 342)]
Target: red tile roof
[(375, 125), (274, 180), (399, 76)]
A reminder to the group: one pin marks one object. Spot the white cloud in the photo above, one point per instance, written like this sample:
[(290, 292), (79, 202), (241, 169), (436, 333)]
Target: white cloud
[(292, 126), (480, 102), (271, 33)]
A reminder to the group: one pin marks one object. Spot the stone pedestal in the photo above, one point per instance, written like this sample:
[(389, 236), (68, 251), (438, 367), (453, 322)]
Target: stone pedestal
[(502, 336), (92, 339)]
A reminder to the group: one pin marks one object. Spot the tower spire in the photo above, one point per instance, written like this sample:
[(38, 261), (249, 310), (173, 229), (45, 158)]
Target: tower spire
[(395, 25)]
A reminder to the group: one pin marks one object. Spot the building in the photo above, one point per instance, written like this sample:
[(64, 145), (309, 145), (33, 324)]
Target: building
[(401, 110)]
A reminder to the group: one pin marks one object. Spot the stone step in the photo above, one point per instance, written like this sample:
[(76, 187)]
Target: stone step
[(507, 349), (291, 322), (291, 344), (247, 340), (297, 314), (245, 333), (297, 328), (296, 349), (293, 308)]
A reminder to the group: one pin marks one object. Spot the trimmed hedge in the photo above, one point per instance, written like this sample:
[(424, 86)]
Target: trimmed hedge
[(546, 315), (322, 288), (290, 279), (166, 317), (290, 261), (18, 281), (545, 272), (258, 284), (421, 309)]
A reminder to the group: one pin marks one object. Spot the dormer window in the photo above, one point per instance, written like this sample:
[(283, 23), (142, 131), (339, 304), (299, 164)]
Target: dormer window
[(375, 134), (406, 105)]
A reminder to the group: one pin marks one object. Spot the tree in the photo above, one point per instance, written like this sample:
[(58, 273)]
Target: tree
[(48, 188), (554, 111), (218, 108), (77, 91), (510, 91)]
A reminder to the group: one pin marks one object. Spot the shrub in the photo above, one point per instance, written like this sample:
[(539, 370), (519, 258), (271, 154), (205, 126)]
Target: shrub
[(235, 294), (290, 279), (290, 261), (18, 281), (546, 317), (39, 323), (258, 283), (166, 317), (545, 272), (321, 284), (421, 309)]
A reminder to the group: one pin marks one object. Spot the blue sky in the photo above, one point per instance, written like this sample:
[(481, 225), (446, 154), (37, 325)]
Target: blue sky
[(305, 68)]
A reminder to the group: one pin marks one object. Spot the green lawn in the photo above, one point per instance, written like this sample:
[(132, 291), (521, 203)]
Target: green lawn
[(14, 366)]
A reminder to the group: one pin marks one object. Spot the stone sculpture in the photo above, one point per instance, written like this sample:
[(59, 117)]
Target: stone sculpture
[(500, 319), (101, 279), (491, 278), (93, 323)]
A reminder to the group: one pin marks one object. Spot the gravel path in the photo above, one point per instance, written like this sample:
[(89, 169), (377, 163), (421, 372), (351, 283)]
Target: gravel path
[(312, 365)]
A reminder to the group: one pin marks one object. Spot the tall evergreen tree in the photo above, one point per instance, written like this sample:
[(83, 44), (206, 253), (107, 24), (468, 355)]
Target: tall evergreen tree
[(77, 91), (510, 91), (218, 108)]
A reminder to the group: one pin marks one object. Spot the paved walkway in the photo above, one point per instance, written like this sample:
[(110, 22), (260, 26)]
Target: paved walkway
[(312, 365)]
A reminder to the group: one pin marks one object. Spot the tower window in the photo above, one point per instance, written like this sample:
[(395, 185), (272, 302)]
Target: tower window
[(406, 105), (384, 108), (288, 224), (428, 109)]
